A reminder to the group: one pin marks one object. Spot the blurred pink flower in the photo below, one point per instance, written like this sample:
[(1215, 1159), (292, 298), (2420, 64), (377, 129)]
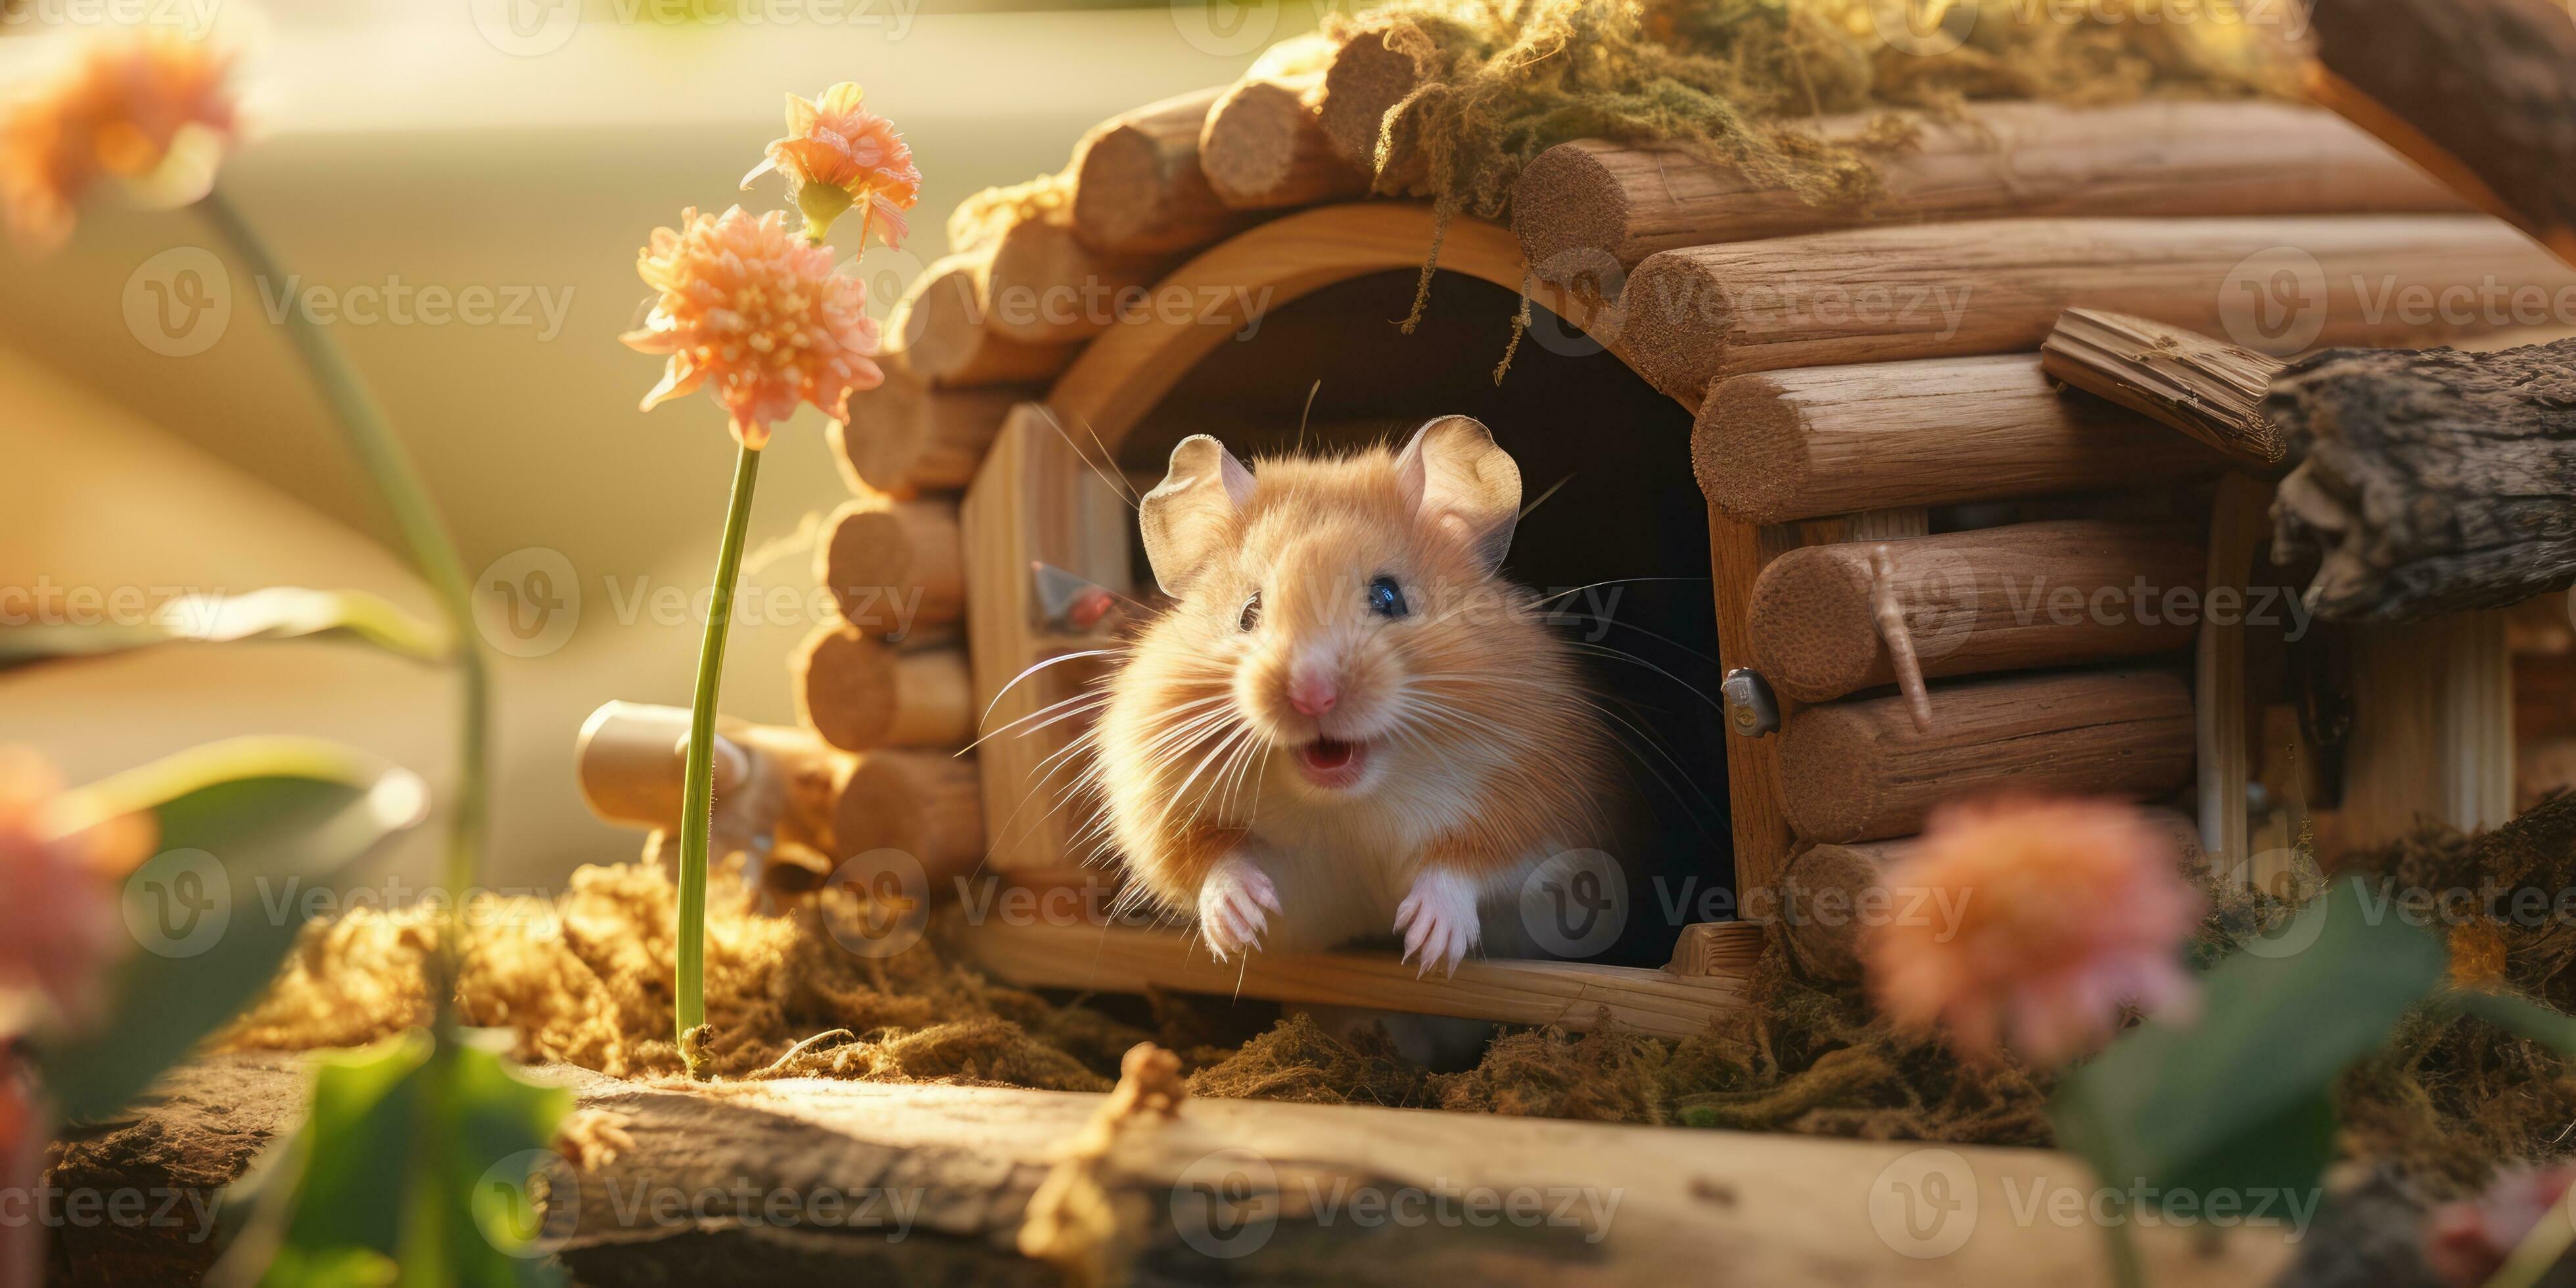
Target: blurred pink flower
[(2466, 1243), (2044, 917), (22, 1146), (838, 154), (59, 922), (152, 109), (751, 307)]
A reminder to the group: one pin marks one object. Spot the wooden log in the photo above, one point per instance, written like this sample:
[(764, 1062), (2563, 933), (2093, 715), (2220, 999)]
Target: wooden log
[(1946, 290), (927, 804), (1137, 187), (2479, 92), (947, 331), (930, 1182), (2429, 482), (1792, 445), (778, 785), (905, 438), (1592, 207), (1365, 80), (1860, 771), (1836, 893), (1574, 995), (1045, 287), (893, 566), (2210, 390), (1988, 599), (861, 693), (1037, 500), (1264, 147)]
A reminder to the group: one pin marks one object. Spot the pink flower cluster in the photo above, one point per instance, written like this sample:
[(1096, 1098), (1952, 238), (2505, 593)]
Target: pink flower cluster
[(2064, 911), (755, 313)]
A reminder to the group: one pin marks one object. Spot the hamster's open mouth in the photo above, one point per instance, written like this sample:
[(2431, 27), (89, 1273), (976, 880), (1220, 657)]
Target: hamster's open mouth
[(1330, 762)]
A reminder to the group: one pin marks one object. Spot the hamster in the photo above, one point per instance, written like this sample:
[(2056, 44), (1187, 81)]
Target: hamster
[(1347, 725)]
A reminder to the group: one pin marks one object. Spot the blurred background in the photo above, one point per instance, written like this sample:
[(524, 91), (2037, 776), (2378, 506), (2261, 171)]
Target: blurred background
[(508, 157)]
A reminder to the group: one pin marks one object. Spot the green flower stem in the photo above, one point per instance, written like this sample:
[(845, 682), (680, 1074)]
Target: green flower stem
[(698, 798), (371, 439)]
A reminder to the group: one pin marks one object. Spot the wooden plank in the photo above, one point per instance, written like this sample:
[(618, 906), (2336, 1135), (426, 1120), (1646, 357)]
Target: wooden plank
[(1576, 995), (2207, 389), (1035, 499), (962, 1163), (2432, 731), (1737, 554), (1710, 948), (1119, 377), (2238, 523)]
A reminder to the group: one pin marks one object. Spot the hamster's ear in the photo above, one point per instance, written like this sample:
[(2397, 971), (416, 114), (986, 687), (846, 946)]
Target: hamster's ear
[(1190, 512), (1458, 479)]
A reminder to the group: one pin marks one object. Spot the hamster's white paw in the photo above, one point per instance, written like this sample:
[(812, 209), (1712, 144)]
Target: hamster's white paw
[(1231, 901), (1438, 920)]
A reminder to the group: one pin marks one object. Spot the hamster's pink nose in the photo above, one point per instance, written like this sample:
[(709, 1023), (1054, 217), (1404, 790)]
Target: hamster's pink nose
[(1312, 695)]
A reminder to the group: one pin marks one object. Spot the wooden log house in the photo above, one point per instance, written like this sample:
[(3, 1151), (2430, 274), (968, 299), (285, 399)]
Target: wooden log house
[(1935, 568)]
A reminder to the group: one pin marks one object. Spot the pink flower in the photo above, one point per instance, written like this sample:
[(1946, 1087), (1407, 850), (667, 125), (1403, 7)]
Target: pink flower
[(59, 923), (23, 1134), (755, 309), (838, 154), (153, 110), (2043, 918), (2466, 1243)]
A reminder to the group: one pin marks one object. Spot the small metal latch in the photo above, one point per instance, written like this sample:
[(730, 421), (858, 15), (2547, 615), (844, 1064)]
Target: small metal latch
[(1750, 708)]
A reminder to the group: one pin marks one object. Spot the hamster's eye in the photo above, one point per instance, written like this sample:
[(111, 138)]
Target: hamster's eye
[(1251, 615), (1386, 599)]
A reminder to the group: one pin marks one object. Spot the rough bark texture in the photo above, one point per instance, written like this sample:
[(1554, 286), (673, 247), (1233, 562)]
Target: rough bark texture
[(2206, 388), (2429, 482), (2490, 84)]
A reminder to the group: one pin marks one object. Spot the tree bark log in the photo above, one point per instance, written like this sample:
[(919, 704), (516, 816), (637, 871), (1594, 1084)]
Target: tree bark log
[(2430, 482), (2481, 92)]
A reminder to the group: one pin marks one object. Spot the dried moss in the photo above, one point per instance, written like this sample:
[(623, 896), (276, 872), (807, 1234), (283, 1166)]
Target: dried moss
[(585, 979), (1739, 80)]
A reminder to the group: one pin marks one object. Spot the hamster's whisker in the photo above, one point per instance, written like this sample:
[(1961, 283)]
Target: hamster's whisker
[(1181, 792), (997, 696), (1615, 581), (1116, 483), (1044, 770), (1650, 634), (1052, 713), (1655, 745), (1623, 655)]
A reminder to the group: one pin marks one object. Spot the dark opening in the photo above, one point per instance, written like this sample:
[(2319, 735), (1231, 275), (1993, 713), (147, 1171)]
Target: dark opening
[(1628, 513)]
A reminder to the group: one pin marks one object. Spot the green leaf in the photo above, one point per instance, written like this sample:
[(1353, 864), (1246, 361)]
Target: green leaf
[(2519, 1016), (248, 828), (277, 613), (415, 1167), (2240, 1098)]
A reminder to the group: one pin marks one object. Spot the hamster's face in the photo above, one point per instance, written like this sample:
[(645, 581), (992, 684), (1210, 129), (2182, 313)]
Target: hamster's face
[(1347, 608), (1331, 624)]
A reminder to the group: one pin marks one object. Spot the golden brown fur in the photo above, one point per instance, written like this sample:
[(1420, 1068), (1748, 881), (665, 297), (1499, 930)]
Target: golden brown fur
[(1483, 757)]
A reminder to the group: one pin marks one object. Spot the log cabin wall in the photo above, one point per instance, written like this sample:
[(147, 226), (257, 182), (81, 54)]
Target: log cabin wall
[(1196, 227)]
